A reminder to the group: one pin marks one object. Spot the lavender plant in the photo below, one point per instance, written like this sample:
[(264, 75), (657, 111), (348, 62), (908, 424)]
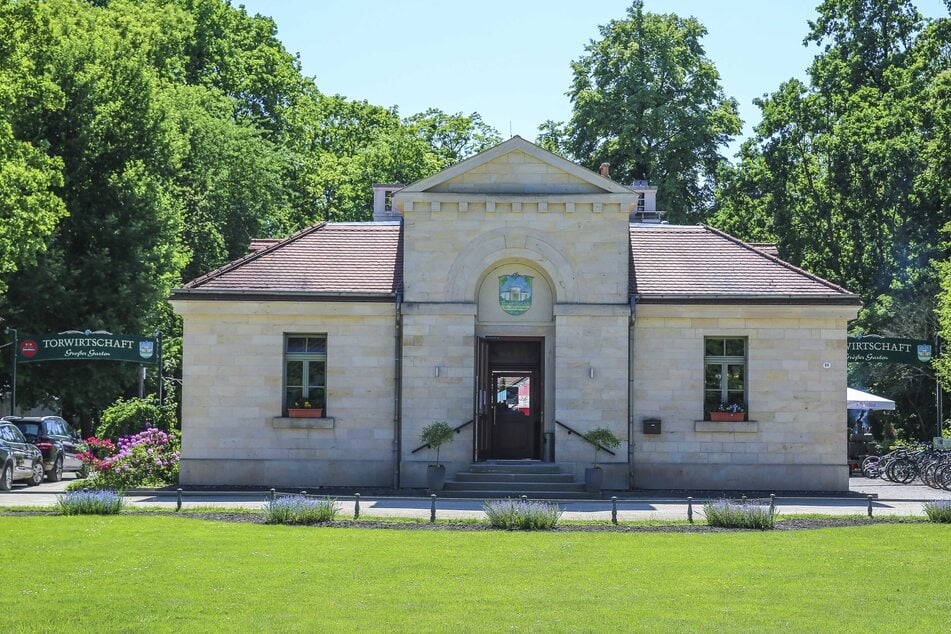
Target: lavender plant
[(745, 514), (300, 509), (524, 515), (939, 511), (89, 503)]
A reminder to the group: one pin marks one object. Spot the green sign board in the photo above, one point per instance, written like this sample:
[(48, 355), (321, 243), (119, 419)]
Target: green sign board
[(88, 346), (876, 349)]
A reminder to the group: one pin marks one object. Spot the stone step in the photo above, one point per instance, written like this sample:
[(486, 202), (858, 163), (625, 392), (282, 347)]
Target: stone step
[(514, 467), (498, 476), (513, 487), (532, 495)]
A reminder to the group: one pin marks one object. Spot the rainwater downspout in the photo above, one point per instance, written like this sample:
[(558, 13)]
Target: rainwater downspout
[(630, 393), (398, 392)]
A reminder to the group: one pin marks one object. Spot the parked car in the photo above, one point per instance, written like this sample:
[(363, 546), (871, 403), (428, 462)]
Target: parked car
[(19, 460), (57, 441)]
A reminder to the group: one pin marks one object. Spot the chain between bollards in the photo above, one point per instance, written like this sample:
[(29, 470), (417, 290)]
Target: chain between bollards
[(690, 509), (432, 511), (614, 509), (870, 506), (356, 506), (178, 505)]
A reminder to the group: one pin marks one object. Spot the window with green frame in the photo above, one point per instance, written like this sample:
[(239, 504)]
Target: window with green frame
[(305, 371), (724, 373)]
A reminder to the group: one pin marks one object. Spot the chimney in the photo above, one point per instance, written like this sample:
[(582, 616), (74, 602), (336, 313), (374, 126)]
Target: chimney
[(383, 209), (605, 170)]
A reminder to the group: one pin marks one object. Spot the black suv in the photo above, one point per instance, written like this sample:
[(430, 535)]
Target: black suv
[(56, 439), (19, 460)]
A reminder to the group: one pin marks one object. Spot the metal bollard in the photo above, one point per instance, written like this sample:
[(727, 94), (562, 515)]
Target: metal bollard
[(744, 498), (772, 502), (178, 505), (304, 493), (690, 509), (432, 511), (272, 496), (870, 506), (614, 509), (524, 498), (356, 506)]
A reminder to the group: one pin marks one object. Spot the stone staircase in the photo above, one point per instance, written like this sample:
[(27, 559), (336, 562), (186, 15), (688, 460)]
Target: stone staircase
[(514, 478)]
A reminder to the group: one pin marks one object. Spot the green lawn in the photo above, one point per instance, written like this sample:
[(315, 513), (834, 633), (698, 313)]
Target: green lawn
[(159, 573)]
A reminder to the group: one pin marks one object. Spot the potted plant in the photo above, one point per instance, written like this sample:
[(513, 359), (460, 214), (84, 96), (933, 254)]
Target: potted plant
[(436, 434), (728, 412), (601, 438), (304, 408)]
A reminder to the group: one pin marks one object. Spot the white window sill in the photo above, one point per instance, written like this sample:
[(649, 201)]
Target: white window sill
[(743, 426), (284, 422)]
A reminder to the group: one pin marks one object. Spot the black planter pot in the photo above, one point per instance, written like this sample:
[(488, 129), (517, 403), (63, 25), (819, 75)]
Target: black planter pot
[(435, 477), (593, 479)]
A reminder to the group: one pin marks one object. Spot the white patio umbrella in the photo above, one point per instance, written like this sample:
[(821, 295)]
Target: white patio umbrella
[(857, 399)]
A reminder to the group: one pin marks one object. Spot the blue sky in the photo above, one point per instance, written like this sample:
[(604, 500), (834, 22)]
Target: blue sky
[(509, 60)]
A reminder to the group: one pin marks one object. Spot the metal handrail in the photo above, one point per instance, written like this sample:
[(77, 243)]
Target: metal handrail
[(581, 436), (455, 429)]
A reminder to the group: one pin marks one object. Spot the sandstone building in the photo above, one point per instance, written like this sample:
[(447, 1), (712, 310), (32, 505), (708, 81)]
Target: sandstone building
[(524, 300)]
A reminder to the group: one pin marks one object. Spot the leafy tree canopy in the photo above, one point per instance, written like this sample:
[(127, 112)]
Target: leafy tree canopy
[(848, 175), (647, 100)]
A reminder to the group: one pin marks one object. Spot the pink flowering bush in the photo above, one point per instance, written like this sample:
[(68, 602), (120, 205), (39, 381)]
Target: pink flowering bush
[(148, 458), (97, 448)]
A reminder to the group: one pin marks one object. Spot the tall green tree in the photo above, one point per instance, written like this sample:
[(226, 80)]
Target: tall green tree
[(29, 176), (143, 142), (842, 172), (647, 99), (112, 261)]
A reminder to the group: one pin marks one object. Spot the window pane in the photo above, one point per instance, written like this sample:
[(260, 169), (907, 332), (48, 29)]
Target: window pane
[(735, 347), (316, 397), (295, 374), (713, 347), (296, 344), (712, 372), (736, 398), (293, 396), (734, 380), (316, 373), (317, 345), (711, 401), (17, 434)]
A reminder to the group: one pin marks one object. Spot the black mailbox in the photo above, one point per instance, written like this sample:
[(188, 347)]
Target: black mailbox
[(651, 425)]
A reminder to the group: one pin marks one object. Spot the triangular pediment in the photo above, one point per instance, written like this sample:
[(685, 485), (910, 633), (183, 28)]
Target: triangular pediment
[(516, 166)]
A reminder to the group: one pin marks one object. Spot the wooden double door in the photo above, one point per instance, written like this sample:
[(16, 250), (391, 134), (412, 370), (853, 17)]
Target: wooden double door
[(509, 398)]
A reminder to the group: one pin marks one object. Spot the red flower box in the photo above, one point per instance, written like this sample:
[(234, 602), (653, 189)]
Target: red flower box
[(300, 412), (727, 417)]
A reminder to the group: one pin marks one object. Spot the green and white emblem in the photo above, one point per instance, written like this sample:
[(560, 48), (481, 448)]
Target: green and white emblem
[(515, 293)]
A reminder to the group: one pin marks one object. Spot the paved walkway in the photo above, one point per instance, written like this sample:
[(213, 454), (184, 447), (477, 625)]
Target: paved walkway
[(893, 499)]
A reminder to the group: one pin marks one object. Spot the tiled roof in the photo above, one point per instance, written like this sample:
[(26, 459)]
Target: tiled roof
[(696, 263), (330, 258), (669, 263)]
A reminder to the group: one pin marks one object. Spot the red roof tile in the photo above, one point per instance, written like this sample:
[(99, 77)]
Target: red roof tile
[(355, 258), (677, 263), (668, 263)]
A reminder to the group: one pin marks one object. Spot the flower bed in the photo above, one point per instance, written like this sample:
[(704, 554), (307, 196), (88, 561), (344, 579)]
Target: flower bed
[(149, 458)]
